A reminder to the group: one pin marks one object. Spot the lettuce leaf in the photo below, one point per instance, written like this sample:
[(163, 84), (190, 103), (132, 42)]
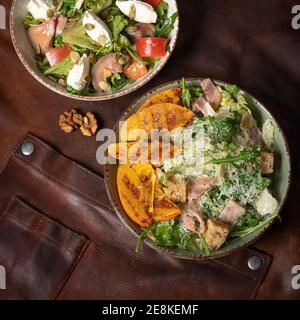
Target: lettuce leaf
[(60, 69), (76, 35), (97, 5)]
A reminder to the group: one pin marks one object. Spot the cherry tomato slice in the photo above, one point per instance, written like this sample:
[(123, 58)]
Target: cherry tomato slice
[(153, 3), (151, 47), (57, 54), (135, 71)]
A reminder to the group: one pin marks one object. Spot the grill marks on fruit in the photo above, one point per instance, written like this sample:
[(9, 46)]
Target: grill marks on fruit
[(131, 187), (159, 116), (136, 191)]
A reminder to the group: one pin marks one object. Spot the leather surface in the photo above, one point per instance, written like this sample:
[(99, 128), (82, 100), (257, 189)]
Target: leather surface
[(96, 256), (250, 43)]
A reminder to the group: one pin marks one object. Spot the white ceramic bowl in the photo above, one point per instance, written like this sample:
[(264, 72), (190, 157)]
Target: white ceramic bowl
[(26, 55)]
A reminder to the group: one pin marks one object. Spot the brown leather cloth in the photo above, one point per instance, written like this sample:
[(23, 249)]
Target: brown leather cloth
[(250, 43), (89, 253)]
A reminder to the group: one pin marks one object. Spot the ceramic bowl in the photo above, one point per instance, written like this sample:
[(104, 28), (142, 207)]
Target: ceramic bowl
[(279, 188), (26, 55)]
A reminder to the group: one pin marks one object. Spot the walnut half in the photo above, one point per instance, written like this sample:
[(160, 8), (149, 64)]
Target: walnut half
[(70, 120), (90, 125)]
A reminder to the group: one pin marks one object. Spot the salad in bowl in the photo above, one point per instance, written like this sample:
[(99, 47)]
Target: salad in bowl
[(100, 47), (221, 183)]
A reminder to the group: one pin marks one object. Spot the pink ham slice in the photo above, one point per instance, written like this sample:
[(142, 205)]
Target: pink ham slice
[(142, 30), (197, 187), (212, 94), (107, 62), (203, 106), (190, 214), (42, 36), (252, 134), (232, 212), (61, 24)]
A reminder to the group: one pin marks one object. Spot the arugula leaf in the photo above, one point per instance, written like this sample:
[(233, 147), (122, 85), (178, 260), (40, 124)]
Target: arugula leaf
[(243, 232), (134, 55), (204, 245), (165, 27), (30, 21), (186, 96), (249, 220), (60, 69), (118, 81), (243, 156), (189, 93)]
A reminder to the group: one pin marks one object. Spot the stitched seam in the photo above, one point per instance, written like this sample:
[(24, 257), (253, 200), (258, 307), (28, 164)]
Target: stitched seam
[(87, 197), (19, 257), (44, 216), (43, 236), (5, 212), (13, 152), (69, 274), (65, 158), (235, 269)]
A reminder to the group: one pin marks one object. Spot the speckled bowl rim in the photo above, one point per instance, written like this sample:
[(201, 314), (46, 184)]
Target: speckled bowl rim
[(190, 255), (91, 98)]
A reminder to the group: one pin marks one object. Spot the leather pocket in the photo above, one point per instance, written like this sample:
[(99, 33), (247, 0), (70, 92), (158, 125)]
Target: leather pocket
[(37, 252)]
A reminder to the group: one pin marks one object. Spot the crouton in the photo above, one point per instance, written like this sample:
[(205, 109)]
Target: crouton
[(216, 233), (176, 189), (267, 162)]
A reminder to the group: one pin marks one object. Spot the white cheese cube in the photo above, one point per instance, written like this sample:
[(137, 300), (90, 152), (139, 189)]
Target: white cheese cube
[(96, 28), (265, 203), (138, 10), (41, 9), (77, 77)]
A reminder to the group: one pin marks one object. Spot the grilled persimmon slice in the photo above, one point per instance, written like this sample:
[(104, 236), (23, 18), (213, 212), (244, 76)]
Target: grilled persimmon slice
[(172, 95), (135, 185), (159, 116)]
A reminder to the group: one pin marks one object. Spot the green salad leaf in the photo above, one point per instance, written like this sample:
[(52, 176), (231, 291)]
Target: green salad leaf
[(252, 225), (60, 69), (162, 11), (76, 35), (85, 92), (118, 81), (250, 219), (219, 130), (30, 21), (165, 24), (117, 25), (244, 155), (67, 8), (58, 42), (233, 90), (189, 93), (97, 5), (132, 53), (171, 234)]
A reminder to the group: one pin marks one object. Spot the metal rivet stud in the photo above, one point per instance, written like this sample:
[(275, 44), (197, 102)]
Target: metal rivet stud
[(254, 263), (27, 148)]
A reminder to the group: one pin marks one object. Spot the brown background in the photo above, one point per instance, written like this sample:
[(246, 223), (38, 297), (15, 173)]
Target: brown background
[(250, 43)]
